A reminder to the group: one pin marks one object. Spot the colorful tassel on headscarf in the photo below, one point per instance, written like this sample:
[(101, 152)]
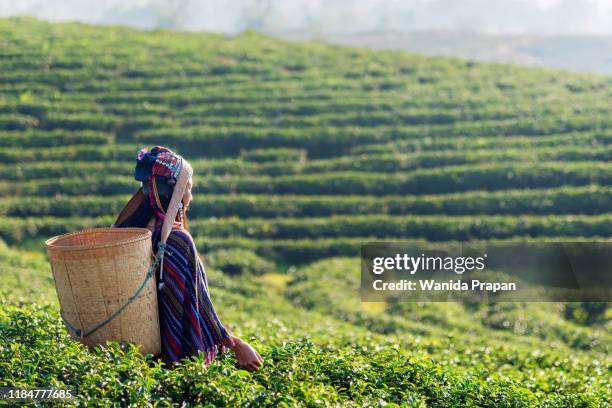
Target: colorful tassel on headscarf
[(188, 321)]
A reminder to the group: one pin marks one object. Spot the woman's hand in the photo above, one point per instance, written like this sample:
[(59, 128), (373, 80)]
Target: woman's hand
[(247, 356)]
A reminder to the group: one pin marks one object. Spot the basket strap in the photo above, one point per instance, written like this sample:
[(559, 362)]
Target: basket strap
[(80, 333)]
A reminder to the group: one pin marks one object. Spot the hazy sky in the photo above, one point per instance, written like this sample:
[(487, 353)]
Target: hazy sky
[(332, 16)]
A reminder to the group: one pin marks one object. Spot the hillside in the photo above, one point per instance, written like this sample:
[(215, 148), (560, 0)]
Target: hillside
[(573, 52), (302, 152)]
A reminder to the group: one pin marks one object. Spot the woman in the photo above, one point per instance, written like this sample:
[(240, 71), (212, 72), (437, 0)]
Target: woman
[(188, 321)]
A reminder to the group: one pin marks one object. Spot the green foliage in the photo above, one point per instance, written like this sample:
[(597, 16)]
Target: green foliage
[(268, 155), (591, 199), (296, 373), (25, 275), (351, 360), (239, 262), (308, 145), (346, 360), (538, 320), (586, 313)]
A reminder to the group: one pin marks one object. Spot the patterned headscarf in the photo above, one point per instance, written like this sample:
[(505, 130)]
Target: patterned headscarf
[(158, 171)]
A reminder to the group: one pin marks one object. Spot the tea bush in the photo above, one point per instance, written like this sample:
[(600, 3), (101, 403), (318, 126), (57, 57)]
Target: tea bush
[(314, 356), (238, 262)]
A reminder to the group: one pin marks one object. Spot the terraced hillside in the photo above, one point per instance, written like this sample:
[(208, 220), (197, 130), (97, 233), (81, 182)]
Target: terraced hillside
[(298, 149), (302, 152)]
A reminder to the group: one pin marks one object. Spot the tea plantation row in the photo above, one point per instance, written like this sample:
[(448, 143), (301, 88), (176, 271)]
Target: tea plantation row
[(590, 199)]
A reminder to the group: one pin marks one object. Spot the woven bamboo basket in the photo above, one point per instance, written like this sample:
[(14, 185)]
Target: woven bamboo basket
[(106, 286)]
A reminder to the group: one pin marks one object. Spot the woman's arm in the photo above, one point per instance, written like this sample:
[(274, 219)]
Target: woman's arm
[(247, 356)]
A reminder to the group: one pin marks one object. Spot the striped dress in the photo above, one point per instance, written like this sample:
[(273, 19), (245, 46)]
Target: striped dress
[(187, 318)]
